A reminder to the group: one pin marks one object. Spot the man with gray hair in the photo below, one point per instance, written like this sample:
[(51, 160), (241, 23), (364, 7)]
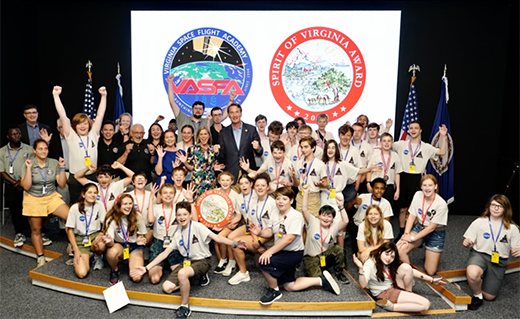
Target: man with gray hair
[(135, 154)]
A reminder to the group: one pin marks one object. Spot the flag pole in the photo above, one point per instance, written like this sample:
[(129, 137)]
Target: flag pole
[(413, 68), (89, 66)]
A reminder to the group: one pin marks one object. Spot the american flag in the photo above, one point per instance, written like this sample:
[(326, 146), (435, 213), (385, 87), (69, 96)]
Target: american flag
[(88, 106), (411, 112)]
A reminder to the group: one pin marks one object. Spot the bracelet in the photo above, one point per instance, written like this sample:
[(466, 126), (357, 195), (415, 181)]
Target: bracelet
[(146, 268), (260, 243), (361, 273), (234, 245), (412, 239)]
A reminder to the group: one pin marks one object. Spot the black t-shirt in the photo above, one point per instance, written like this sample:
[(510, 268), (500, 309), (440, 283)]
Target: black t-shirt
[(138, 159), (215, 134), (108, 154)]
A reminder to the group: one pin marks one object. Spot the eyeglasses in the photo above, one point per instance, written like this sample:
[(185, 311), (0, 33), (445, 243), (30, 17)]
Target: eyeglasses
[(30, 113), (497, 206), (138, 133)]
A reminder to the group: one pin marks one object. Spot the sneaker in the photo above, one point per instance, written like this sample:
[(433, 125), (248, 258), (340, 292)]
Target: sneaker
[(385, 304), (328, 283), (239, 277), (69, 262), (19, 240), (204, 280), (229, 268), (98, 262), (343, 278), (114, 277), (70, 251), (46, 240), (270, 296), (222, 264), (476, 302), (40, 261), (183, 312)]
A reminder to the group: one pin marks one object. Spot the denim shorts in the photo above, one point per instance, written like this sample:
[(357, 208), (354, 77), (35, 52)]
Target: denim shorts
[(434, 241), (173, 258)]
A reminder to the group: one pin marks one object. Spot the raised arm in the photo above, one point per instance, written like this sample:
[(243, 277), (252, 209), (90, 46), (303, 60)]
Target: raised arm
[(65, 122), (444, 132), (101, 110), (305, 203), (80, 175), (129, 173), (26, 180), (175, 108)]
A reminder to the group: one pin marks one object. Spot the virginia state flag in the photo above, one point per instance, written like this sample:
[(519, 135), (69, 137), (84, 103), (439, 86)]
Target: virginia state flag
[(119, 107), (443, 167)]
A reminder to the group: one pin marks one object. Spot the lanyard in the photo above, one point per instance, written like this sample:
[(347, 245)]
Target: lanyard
[(84, 147), (44, 176), (104, 196), (167, 222), (11, 160), (139, 208), (371, 197), (259, 214), (424, 213), (412, 154), (197, 125), (278, 172), (498, 235), (248, 202), (308, 170), (386, 165), (359, 147), (322, 239), (125, 233), (344, 158), (387, 272), (298, 152), (331, 176), (178, 196), (187, 249), (87, 225), (321, 141)]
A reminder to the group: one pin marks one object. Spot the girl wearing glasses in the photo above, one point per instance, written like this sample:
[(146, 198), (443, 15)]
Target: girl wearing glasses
[(492, 238)]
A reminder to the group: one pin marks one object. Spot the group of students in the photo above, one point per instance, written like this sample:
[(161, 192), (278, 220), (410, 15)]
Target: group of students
[(351, 186)]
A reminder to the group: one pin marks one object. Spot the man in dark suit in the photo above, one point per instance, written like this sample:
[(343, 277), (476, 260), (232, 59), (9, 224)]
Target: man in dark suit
[(31, 128), (239, 140)]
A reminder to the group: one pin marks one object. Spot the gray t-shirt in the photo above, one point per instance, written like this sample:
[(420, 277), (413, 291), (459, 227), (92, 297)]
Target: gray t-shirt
[(43, 176), (183, 119), (17, 158)]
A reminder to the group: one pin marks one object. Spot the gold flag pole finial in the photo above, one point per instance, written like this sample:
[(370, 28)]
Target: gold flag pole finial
[(89, 66), (445, 69), (118, 69)]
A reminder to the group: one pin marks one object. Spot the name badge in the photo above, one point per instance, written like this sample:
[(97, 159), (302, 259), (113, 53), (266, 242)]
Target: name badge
[(86, 241), (166, 241), (495, 257), (322, 261), (126, 252), (11, 170), (44, 190), (247, 230), (412, 168), (332, 193), (186, 263), (87, 161)]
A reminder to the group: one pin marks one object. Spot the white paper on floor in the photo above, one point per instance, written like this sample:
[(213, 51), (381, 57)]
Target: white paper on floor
[(116, 297)]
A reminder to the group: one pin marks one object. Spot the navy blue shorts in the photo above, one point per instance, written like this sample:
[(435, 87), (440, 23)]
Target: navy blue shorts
[(283, 266)]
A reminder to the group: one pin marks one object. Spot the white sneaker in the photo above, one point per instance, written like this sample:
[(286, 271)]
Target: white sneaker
[(98, 262), (40, 261), (19, 240), (70, 251), (46, 240), (239, 278), (229, 268)]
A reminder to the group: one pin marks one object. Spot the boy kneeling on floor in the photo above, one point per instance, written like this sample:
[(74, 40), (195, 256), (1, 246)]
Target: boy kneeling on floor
[(192, 240)]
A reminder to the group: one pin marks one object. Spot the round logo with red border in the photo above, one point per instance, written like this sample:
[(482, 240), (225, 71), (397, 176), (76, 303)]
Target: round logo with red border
[(214, 208), (317, 70)]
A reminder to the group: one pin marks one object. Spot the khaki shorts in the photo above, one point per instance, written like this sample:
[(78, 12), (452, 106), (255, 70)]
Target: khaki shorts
[(41, 206), (79, 242), (313, 203)]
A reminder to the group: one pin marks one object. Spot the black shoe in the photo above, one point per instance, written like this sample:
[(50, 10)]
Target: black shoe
[(328, 283), (342, 277), (270, 296), (183, 312), (204, 281), (219, 270), (476, 302)]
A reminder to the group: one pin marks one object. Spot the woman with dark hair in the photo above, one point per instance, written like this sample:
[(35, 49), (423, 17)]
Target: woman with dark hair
[(492, 237), (125, 231), (83, 226), (391, 281), (40, 197)]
